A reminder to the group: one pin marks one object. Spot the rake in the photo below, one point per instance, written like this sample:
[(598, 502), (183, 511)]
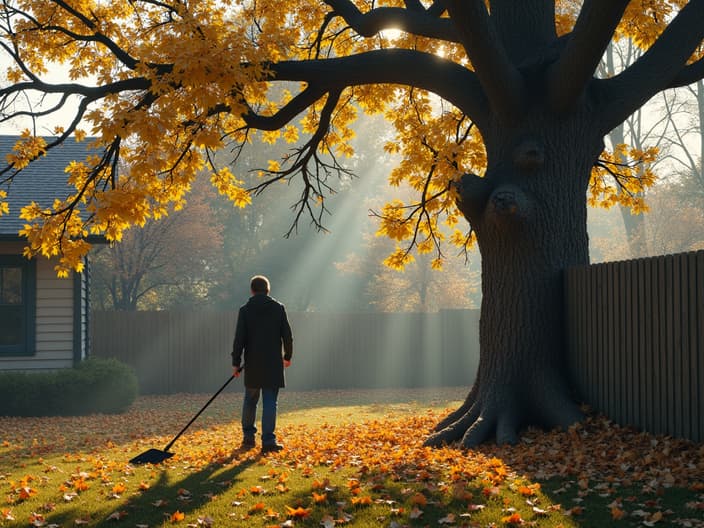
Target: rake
[(155, 456)]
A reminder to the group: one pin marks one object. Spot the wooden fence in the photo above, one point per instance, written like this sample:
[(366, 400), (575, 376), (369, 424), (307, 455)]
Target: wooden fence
[(190, 351), (636, 345), (636, 331)]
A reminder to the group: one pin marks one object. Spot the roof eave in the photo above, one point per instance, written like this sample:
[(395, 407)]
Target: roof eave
[(10, 237)]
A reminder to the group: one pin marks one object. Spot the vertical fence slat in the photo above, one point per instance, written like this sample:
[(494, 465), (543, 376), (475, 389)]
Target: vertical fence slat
[(594, 348), (685, 429), (607, 329), (654, 316), (617, 351), (630, 328), (589, 308), (695, 345), (614, 360), (634, 417), (606, 319), (605, 385), (700, 340), (644, 410), (661, 353), (676, 351), (673, 354), (597, 346), (621, 345)]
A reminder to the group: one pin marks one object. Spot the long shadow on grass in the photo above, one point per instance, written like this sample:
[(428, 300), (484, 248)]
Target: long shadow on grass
[(174, 490)]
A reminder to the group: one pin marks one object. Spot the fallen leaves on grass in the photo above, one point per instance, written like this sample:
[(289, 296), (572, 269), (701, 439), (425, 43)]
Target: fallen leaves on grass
[(514, 518), (596, 457), (117, 516), (118, 489), (601, 452), (298, 513), (320, 498), (258, 507), (418, 499), (364, 500)]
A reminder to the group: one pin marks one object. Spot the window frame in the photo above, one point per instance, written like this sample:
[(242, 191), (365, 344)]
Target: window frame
[(29, 302)]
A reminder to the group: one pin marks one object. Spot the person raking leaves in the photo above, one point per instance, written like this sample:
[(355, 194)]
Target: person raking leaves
[(262, 330)]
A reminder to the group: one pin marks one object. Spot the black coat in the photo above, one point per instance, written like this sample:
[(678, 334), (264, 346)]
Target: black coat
[(262, 329)]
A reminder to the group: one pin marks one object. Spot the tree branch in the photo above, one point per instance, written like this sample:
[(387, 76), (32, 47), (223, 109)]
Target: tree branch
[(500, 79), (409, 19), (437, 8), (289, 111), (93, 92), (426, 71), (315, 184), (689, 74), (663, 65), (122, 55), (414, 5), (526, 28), (450, 81), (585, 47)]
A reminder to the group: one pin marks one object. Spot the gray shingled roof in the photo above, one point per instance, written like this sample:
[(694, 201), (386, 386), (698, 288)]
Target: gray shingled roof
[(42, 181)]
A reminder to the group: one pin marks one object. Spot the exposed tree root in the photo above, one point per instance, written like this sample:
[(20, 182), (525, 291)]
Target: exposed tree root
[(457, 414), (499, 413)]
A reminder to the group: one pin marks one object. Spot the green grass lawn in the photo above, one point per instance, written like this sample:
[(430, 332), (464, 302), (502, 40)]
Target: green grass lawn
[(352, 458)]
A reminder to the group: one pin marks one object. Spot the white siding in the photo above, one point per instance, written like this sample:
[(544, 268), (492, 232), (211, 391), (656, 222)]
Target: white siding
[(54, 318), (54, 323), (28, 364)]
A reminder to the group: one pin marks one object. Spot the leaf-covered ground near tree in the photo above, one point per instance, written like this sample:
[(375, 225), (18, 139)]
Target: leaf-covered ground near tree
[(352, 458)]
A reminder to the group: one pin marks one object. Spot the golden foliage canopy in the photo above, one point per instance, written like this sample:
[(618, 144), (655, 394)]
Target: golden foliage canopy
[(162, 85)]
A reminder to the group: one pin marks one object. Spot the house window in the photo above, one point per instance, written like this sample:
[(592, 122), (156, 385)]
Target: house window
[(17, 304)]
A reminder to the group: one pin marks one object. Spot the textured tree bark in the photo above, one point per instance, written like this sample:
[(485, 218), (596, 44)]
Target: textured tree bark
[(529, 230)]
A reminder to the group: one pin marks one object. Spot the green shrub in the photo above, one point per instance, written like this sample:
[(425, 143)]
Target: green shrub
[(94, 386)]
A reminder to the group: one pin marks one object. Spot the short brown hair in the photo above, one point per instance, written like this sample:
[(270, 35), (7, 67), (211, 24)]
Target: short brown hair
[(259, 284)]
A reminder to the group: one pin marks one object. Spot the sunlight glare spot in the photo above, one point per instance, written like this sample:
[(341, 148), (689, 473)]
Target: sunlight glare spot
[(390, 34)]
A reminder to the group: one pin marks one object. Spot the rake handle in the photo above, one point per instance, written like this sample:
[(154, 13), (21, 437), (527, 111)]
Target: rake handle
[(199, 412)]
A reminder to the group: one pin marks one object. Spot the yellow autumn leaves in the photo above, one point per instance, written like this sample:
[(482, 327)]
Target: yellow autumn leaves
[(622, 177), (161, 143), (4, 207), (108, 204), (27, 148), (227, 185)]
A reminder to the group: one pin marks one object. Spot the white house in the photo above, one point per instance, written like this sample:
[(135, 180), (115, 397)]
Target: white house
[(43, 319)]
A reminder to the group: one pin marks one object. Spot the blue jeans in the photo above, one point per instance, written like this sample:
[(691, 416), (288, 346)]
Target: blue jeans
[(249, 414)]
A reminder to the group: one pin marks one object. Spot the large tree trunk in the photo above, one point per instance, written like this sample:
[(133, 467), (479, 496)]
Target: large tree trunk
[(529, 213)]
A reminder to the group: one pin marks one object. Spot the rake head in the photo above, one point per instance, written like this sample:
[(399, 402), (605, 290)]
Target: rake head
[(151, 456)]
